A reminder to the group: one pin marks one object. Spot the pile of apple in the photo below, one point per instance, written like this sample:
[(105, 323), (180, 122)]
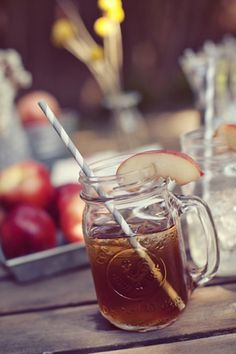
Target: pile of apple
[(33, 211)]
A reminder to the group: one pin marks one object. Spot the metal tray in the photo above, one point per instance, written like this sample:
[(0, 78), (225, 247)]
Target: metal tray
[(46, 263)]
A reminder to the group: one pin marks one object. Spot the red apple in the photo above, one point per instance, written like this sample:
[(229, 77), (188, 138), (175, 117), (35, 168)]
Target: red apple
[(70, 209), (66, 191), (26, 182), (30, 113), (228, 131), (26, 229), (163, 163)]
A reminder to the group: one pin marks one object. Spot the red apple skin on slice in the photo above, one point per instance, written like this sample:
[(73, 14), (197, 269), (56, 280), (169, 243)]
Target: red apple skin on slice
[(25, 230), (26, 182), (70, 209), (228, 131), (176, 165)]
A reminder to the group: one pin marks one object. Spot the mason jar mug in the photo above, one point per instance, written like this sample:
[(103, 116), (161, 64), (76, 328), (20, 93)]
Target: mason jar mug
[(146, 284)]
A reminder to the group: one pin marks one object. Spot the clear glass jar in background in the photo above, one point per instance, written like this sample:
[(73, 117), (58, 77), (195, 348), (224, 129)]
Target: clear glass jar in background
[(128, 126), (14, 144), (128, 293), (218, 188), (45, 144)]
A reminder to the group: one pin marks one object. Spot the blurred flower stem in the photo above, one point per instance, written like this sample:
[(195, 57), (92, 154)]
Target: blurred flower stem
[(104, 62)]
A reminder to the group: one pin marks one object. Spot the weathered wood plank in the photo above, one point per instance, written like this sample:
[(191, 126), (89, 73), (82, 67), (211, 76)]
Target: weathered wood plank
[(211, 311), (62, 290), (216, 345), (66, 289)]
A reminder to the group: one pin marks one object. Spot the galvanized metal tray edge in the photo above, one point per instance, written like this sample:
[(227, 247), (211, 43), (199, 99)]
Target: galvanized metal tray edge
[(45, 263)]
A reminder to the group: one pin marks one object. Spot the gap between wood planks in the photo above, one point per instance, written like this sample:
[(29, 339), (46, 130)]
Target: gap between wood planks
[(47, 308), (150, 342), (218, 281)]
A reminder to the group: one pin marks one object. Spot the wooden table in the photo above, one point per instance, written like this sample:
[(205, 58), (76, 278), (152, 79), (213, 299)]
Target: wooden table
[(60, 315)]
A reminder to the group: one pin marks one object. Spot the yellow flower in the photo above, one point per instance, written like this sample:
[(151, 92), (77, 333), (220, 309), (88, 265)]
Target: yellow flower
[(103, 26), (106, 5), (116, 14), (96, 53), (62, 31)]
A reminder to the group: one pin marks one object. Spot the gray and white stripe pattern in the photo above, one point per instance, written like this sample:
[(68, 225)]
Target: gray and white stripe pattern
[(209, 97)]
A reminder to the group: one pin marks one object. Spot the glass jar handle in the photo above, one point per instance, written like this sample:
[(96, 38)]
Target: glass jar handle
[(192, 203)]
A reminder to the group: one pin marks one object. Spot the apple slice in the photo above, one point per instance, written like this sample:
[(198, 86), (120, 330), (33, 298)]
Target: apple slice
[(228, 131), (163, 163)]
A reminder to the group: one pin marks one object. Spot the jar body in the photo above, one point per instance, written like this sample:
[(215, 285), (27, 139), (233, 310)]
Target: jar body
[(128, 293), (218, 188)]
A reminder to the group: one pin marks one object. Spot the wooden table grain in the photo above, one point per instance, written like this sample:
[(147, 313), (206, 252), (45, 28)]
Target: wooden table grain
[(59, 314)]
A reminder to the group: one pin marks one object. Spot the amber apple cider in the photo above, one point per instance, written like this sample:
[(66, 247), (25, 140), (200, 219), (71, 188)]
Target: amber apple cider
[(128, 294)]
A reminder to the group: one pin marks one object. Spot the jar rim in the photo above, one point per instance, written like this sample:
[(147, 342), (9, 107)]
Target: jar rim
[(124, 99), (213, 150), (142, 179), (197, 137), (114, 162)]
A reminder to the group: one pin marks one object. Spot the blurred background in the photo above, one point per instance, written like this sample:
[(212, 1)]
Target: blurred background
[(155, 33), (170, 48)]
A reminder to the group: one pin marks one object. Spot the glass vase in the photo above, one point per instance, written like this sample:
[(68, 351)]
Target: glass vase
[(128, 125)]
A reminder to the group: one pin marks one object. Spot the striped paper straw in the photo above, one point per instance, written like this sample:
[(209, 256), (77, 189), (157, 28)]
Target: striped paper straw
[(209, 98), (110, 206)]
